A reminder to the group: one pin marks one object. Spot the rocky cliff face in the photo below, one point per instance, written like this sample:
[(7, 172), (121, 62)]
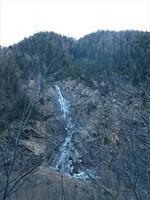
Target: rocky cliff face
[(101, 114)]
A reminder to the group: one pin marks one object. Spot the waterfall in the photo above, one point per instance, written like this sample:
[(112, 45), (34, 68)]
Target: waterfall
[(63, 102), (62, 160)]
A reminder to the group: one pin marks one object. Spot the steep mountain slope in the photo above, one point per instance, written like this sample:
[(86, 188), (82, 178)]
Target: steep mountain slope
[(83, 108), (49, 184)]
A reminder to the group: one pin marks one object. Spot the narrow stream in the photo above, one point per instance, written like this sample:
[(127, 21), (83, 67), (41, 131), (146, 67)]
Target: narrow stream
[(62, 160)]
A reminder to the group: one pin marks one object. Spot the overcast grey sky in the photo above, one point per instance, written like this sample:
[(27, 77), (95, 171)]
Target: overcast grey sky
[(75, 18)]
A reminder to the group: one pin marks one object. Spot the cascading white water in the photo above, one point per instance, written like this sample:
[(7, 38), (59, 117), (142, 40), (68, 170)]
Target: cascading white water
[(63, 102), (62, 159)]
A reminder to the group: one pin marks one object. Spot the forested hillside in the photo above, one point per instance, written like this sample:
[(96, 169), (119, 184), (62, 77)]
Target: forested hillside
[(91, 96), (124, 52)]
